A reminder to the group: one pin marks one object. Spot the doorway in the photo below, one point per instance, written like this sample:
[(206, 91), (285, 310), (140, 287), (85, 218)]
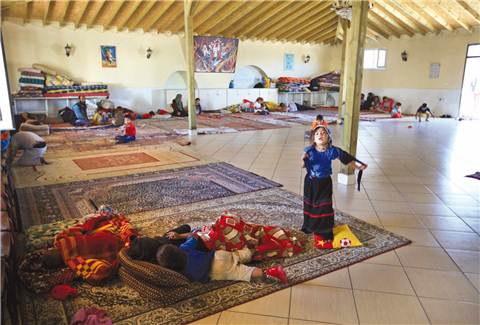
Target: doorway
[(470, 97)]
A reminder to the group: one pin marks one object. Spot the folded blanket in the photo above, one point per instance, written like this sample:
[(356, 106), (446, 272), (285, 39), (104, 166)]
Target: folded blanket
[(30, 70), (32, 74), (33, 85), (32, 80)]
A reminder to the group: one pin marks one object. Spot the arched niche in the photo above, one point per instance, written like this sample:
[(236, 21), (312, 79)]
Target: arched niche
[(248, 76), (177, 80)]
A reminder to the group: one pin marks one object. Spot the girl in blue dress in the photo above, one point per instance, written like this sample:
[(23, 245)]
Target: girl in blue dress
[(318, 211)]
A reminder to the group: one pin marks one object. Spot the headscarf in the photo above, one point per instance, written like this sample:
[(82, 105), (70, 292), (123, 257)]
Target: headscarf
[(178, 102)]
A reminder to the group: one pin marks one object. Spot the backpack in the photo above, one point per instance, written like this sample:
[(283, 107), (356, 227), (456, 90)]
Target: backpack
[(67, 115)]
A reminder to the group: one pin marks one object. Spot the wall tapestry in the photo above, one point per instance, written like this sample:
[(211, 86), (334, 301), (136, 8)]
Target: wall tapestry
[(215, 54), (109, 56)]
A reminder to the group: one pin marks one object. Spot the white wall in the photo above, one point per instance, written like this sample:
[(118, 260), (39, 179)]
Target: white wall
[(408, 82), (138, 79)]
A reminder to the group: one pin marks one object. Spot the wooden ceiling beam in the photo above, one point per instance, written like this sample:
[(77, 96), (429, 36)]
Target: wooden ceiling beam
[(246, 21), (207, 13), (129, 15), (46, 13), (200, 5), (324, 37), (297, 18), (220, 15), (156, 14), (145, 9), (434, 13), (297, 24), (425, 12), (319, 34), (171, 17), (469, 10), (235, 17), (410, 14), (328, 19), (116, 14), (84, 9), (281, 16), (315, 32), (97, 15), (376, 28), (66, 11), (384, 22), (28, 13), (452, 15), (279, 8), (379, 9)]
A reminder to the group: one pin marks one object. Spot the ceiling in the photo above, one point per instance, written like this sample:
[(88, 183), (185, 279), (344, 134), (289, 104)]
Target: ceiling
[(306, 21)]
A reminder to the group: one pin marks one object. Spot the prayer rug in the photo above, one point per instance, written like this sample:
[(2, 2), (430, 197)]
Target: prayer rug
[(114, 160), (273, 206), (136, 192)]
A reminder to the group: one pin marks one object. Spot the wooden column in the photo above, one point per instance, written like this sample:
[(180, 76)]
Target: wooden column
[(188, 22), (341, 96), (354, 51)]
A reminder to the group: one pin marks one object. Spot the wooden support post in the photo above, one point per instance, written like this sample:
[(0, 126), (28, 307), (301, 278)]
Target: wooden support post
[(341, 97), (188, 23), (353, 77)]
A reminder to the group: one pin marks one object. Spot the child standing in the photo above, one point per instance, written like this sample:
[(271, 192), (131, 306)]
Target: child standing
[(129, 133), (318, 212)]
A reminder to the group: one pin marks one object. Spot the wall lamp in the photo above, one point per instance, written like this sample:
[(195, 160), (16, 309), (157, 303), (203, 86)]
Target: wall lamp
[(68, 50), (149, 53), (404, 56), (306, 58)]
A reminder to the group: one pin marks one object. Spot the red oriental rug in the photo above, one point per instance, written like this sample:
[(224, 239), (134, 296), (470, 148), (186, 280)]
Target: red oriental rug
[(114, 160)]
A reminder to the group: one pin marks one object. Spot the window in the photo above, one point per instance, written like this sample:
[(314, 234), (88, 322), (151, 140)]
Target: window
[(375, 59)]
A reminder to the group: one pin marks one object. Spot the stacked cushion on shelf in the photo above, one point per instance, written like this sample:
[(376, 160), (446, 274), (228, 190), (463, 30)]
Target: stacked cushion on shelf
[(78, 93)]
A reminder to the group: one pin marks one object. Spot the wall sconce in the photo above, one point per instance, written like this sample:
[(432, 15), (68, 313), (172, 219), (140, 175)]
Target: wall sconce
[(306, 59), (149, 53), (68, 50), (404, 56)]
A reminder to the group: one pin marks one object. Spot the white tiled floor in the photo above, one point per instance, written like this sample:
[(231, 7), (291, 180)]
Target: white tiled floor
[(414, 186)]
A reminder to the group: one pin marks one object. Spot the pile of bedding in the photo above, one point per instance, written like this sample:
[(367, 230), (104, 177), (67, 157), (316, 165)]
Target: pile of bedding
[(291, 84), (32, 83), (70, 91)]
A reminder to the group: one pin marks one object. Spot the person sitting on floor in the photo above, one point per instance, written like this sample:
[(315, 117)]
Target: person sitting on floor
[(80, 110), (259, 107), (423, 111), (396, 110), (177, 106), (318, 121), (100, 117), (129, 131), (375, 104), (106, 103), (202, 266), (368, 102), (34, 148), (198, 107), (386, 104)]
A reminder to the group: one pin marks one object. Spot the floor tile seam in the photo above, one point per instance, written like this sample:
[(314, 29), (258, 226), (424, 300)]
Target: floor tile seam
[(353, 295), (278, 161), (475, 231), (254, 314), (259, 152)]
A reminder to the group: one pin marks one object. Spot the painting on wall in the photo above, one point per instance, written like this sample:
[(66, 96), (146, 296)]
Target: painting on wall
[(109, 56), (215, 54), (434, 72), (288, 62)]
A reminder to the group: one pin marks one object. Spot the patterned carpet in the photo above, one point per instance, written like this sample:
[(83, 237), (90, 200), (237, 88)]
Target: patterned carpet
[(125, 159), (271, 206), (136, 192)]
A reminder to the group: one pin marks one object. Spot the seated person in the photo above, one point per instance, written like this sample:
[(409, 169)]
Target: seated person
[(318, 121), (28, 118), (375, 104), (301, 107), (362, 100), (423, 110), (386, 104), (202, 266), (129, 131), (259, 107), (100, 117), (34, 148), (80, 110), (106, 103), (177, 106), (368, 102), (396, 110), (198, 107)]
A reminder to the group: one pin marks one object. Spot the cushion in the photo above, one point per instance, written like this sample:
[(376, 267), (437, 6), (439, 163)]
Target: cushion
[(153, 281), (42, 129)]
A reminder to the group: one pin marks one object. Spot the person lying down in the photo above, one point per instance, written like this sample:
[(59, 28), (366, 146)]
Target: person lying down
[(219, 252)]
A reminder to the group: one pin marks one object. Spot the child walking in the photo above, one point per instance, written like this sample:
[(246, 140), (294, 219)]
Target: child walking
[(318, 214)]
